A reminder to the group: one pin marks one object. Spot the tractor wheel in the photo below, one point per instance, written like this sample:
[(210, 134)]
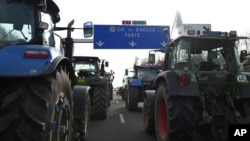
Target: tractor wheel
[(148, 115), (81, 124), (132, 98), (99, 106), (173, 116), (39, 109)]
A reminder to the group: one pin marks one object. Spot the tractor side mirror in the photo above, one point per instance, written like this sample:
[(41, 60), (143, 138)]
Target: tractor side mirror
[(151, 58), (88, 29), (126, 72), (106, 64)]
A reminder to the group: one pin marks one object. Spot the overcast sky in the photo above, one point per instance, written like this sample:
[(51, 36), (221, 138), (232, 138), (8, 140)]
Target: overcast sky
[(223, 15)]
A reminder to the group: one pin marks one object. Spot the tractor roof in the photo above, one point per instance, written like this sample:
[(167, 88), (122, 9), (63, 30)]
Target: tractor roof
[(86, 58), (212, 35), (145, 67)]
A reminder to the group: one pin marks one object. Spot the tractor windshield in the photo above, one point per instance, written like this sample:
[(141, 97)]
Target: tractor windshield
[(17, 22), (207, 54), (86, 66), (146, 74)]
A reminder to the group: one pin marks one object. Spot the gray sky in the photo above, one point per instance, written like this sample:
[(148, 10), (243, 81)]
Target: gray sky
[(223, 15)]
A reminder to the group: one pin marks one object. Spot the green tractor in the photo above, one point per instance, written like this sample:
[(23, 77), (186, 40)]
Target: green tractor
[(203, 90), (90, 71)]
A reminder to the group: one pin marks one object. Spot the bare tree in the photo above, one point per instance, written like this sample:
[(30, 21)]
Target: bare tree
[(244, 44)]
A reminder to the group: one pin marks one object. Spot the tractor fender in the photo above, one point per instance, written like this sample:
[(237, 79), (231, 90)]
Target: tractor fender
[(59, 60), (62, 61), (80, 94), (170, 77), (135, 82), (150, 96), (18, 62)]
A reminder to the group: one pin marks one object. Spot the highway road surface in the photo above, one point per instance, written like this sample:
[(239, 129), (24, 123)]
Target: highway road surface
[(120, 125)]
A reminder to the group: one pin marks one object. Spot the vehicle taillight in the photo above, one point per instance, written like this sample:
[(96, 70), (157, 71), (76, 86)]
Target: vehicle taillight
[(36, 54), (182, 79)]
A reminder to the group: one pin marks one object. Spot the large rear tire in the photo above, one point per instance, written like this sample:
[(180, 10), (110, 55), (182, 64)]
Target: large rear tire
[(99, 105), (81, 124), (39, 109), (132, 98), (174, 116)]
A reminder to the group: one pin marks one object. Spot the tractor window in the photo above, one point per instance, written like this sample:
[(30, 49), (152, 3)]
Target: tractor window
[(216, 56), (86, 66), (17, 23), (48, 35), (146, 74), (197, 58), (180, 55), (208, 59)]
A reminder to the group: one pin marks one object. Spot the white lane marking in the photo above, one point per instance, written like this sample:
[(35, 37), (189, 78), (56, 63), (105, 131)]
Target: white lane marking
[(122, 118)]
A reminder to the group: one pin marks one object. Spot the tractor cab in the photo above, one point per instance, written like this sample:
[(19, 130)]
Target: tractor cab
[(210, 57), (27, 22)]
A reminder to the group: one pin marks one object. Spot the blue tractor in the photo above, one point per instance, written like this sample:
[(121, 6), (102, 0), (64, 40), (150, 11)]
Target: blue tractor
[(37, 80), (143, 79)]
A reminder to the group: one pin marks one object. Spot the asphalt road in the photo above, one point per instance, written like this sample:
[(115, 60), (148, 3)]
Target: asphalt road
[(120, 125)]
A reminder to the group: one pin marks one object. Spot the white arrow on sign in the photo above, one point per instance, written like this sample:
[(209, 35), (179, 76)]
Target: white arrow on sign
[(163, 43), (132, 43), (100, 43)]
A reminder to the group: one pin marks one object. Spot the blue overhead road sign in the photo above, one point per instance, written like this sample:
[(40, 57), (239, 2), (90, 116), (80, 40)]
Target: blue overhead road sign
[(130, 37)]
